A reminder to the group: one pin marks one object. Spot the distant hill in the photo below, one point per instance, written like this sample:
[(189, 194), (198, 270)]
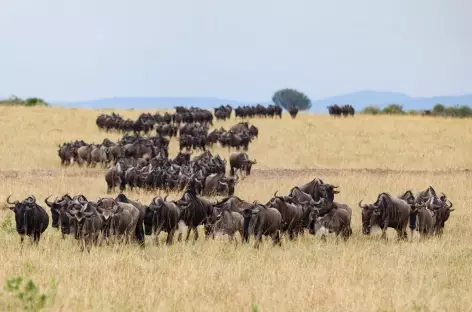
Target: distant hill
[(363, 98), (357, 99), (154, 102)]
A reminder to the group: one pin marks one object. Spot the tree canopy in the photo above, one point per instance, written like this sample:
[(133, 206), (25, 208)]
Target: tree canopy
[(291, 97)]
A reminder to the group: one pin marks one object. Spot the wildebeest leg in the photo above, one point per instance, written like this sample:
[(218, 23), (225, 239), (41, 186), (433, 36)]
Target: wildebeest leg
[(276, 238), (170, 237), (156, 238), (188, 233), (258, 238), (195, 231)]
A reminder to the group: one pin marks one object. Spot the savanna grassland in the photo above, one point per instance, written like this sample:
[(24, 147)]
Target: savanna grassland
[(364, 155)]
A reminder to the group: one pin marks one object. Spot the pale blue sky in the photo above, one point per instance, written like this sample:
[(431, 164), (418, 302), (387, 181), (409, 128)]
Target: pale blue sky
[(242, 50)]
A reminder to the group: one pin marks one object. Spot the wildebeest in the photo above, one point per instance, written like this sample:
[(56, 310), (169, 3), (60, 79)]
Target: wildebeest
[(293, 111), (233, 203), (219, 184), (387, 211), (87, 221), (31, 219), (139, 231), (195, 211), (291, 212), (229, 222), (122, 217), (162, 215), (333, 216), (317, 189), (240, 161), (58, 214), (261, 220)]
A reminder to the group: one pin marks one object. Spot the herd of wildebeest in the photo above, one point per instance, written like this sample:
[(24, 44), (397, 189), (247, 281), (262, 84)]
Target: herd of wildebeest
[(137, 161)]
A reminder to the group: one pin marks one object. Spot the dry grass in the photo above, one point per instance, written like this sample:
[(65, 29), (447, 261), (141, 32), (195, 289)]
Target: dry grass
[(361, 274)]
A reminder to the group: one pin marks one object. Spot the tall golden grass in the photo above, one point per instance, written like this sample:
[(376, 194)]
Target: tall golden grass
[(363, 273)]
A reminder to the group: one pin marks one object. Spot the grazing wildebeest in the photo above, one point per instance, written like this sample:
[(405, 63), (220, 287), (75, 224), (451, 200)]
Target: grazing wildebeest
[(387, 211), (218, 184), (240, 161), (162, 216), (31, 219), (261, 220)]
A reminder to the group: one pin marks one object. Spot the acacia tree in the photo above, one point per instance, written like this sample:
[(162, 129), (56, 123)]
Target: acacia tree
[(291, 97)]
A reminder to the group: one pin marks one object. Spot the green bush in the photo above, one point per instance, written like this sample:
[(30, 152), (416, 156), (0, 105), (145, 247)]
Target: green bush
[(371, 110), (393, 109), (13, 100)]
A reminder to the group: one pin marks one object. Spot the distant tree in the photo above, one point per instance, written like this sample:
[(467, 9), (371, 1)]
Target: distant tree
[(393, 109), (291, 97), (14, 100), (438, 109), (371, 110)]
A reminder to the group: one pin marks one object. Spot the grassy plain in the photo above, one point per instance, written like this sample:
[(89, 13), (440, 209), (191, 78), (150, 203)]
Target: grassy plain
[(364, 155)]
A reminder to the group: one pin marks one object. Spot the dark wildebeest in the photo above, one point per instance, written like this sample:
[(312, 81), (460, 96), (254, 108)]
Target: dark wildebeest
[(87, 221), (291, 212), (162, 215), (59, 216), (261, 220), (425, 219), (240, 161), (229, 222), (195, 211), (31, 219), (410, 199), (317, 189), (441, 209), (387, 211)]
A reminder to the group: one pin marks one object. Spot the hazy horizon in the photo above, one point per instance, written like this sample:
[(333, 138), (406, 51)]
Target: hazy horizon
[(244, 51)]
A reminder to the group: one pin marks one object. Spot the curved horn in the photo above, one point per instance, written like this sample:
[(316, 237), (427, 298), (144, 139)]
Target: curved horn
[(360, 204), (11, 203), (46, 201), (165, 198), (275, 194), (335, 186), (237, 178), (443, 195), (450, 204), (319, 201)]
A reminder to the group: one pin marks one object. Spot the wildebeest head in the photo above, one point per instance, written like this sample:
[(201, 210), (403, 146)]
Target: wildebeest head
[(107, 208), (228, 183), (23, 212), (248, 165), (322, 207), (367, 213), (57, 206), (328, 191)]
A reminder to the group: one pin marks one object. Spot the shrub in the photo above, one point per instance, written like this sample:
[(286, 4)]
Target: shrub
[(393, 109), (371, 110)]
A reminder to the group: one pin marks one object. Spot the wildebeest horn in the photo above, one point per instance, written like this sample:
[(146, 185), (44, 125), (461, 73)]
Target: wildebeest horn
[(275, 194), (335, 186), (11, 203), (443, 195), (319, 201), (46, 201), (237, 178), (165, 198), (254, 161), (450, 204), (360, 204), (31, 199)]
